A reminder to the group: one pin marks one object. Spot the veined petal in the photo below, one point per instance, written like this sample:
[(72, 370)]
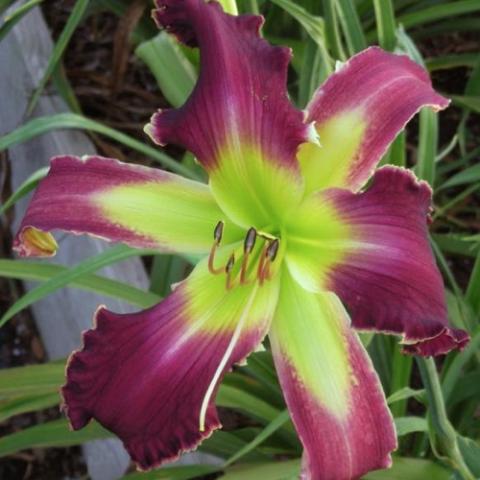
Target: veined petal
[(372, 249), (139, 206), (358, 112), (151, 377), (331, 388), (238, 121)]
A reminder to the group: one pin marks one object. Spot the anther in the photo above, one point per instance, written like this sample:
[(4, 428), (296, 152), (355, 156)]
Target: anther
[(228, 271), (268, 256), (250, 240), (272, 250), (217, 235), (248, 246), (230, 263), (218, 232)]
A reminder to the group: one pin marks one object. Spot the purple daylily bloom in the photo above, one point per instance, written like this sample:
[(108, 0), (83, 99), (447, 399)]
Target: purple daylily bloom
[(291, 240)]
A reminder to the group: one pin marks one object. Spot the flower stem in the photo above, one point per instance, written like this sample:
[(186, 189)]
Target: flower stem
[(445, 433)]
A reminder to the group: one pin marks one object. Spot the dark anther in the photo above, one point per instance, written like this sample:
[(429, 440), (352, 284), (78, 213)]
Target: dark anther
[(272, 250), (230, 263), (250, 240), (228, 270), (217, 235), (218, 232)]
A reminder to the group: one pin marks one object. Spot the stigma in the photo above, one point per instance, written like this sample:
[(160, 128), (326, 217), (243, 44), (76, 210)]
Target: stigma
[(254, 264)]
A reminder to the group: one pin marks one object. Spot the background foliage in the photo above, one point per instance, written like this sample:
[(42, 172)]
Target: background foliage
[(435, 405)]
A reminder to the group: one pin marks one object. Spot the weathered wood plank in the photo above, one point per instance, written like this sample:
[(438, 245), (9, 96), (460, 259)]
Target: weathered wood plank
[(62, 316)]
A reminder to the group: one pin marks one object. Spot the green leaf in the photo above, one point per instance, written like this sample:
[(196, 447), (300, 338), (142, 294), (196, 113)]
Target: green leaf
[(427, 145), (352, 28), (332, 33), (444, 62), (16, 406), (271, 428), (27, 186), (236, 398), (166, 271), (225, 444), (41, 125), (4, 4), (456, 244), (400, 379), (386, 27), (174, 73), (469, 102), (31, 380), (184, 472), (437, 12), (281, 470), (10, 21), (60, 46), (456, 367), (472, 296), (406, 393), (411, 469), (470, 450), (406, 425), (27, 270), (313, 72), (464, 177), (50, 434), (313, 25), (113, 255), (467, 387), (63, 86)]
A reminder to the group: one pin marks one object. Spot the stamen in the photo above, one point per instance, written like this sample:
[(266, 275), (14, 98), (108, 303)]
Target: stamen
[(268, 256), (228, 271), (217, 235), (248, 246), (261, 265)]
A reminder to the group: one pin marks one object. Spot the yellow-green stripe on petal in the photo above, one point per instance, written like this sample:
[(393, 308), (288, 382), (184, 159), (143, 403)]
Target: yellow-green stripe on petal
[(176, 214), (151, 377), (142, 207), (358, 111), (253, 189), (306, 323), (329, 163), (238, 122), (331, 388), (318, 238)]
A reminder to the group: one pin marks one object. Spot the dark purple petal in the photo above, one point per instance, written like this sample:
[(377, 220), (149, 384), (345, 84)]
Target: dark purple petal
[(358, 111), (238, 121), (146, 376), (389, 280), (331, 388), (142, 207), (372, 249)]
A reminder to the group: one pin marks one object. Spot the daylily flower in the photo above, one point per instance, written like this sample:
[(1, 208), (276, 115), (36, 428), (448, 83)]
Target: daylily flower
[(292, 240)]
